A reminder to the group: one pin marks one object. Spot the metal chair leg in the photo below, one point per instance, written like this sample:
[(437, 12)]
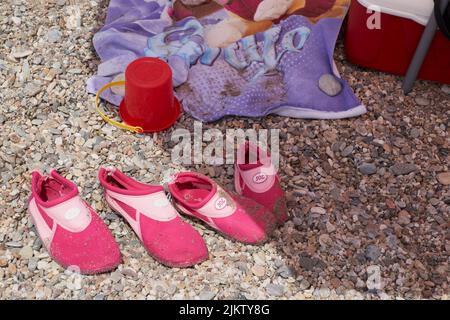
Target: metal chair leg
[(421, 52)]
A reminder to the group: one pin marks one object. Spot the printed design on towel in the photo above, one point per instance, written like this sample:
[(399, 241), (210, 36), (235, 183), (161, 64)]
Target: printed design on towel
[(247, 17), (184, 44)]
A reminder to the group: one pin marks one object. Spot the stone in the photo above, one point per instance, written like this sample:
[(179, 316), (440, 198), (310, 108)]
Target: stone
[(31, 89), (73, 19), (275, 290), (37, 244), (22, 53), (14, 138), (42, 265), (318, 210), (444, 178), (421, 101), (259, 271), (391, 109), (304, 284), (54, 35), (111, 216), (324, 293), (330, 85), (285, 272), (14, 244), (12, 268), (77, 283), (368, 169), (434, 201), (324, 239), (130, 273), (3, 262), (372, 252), (297, 222), (347, 151), (362, 130), (310, 264), (404, 218), (75, 71), (400, 169), (59, 141), (259, 259), (401, 204), (16, 20), (116, 276), (414, 133), (242, 266), (206, 295), (330, 227), (32, 264), (446, 88), (26, 252)]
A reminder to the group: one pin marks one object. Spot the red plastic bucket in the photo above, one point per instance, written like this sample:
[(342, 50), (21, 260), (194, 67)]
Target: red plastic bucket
[(149, 101)]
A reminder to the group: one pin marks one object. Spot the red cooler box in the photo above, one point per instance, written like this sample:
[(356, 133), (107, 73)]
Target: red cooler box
[(391, 47)]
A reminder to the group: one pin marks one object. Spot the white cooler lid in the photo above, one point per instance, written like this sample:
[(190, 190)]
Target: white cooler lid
[(418, 10)]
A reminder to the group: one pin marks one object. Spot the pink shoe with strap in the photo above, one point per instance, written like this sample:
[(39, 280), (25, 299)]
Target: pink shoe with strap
[(255, 177), (70, 230), (167, 238), (236, 217)]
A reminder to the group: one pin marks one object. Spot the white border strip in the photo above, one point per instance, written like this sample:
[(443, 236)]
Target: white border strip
[(404, 8), (303, 113)]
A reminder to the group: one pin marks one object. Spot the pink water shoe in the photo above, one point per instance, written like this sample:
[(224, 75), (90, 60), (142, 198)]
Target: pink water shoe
[(256, 178), (146, 208), (236, 217), (70, 230)]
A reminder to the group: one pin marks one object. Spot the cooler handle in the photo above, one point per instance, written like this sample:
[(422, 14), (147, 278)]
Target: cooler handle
[(117, 124)]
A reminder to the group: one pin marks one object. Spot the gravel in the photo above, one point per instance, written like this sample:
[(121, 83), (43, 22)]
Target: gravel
[(368, 169), (286, 272), (53, 36), (275, 290), (13, 244), (421, 101), (206, 295), (403, 169), (372, 252), (395, 216), (26, 252), (444, 178), (404, 218)]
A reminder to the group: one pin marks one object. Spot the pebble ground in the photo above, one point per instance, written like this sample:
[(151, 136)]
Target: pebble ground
[(369, 197)]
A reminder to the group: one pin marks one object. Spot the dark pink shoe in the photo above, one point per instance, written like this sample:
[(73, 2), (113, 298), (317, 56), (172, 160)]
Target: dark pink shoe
[(255, 177), (146, 208), (236, 217), (70, 230)]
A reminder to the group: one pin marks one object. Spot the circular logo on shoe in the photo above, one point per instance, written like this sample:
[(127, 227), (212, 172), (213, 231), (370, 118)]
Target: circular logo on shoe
[(161, 203), (72, 213), (260, 178), (221, 203)]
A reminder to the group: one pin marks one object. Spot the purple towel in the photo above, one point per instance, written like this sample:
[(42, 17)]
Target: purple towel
[(287, 70)]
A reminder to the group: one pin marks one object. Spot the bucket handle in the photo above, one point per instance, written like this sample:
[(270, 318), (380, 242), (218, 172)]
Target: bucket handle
[(117, 124)]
